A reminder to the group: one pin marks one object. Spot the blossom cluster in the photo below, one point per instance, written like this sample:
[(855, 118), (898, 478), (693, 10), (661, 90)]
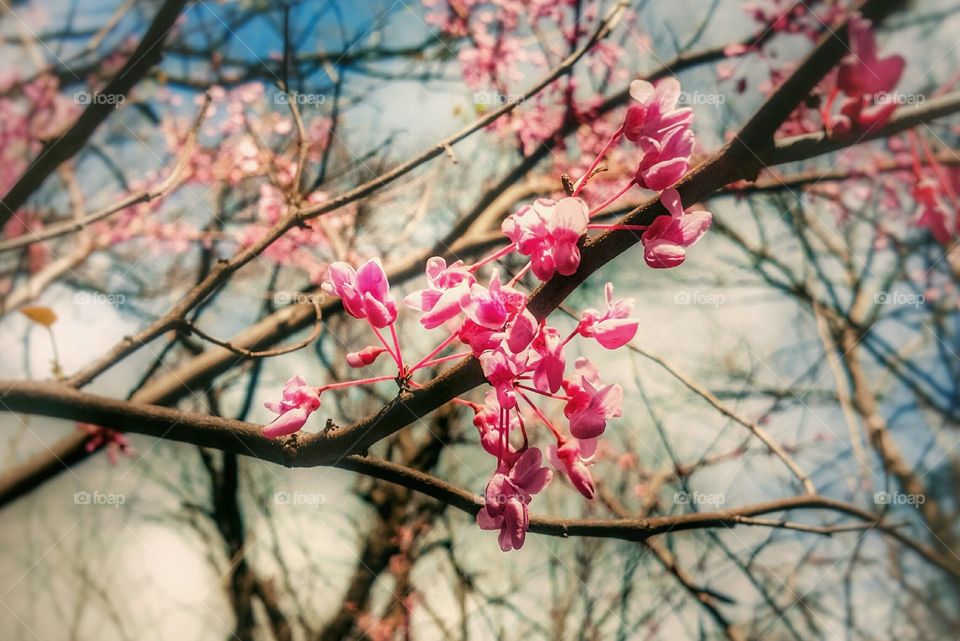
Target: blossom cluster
[(115, 442), (864, 78), (524, 359), (855, 97), (859, 95), (32, 110)]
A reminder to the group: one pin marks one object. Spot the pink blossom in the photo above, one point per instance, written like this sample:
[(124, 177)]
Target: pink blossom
[(661, 131), (656, 110), (934, 214), (527, 226), (446, 286), (492, 306), (566, 226), (591, 403), (864, 78), (365, 356), (501, 368), (550, 363), (613, 328), (522, 331), (665, 160), (489, 423), (507, 496), (298, 402), (116, 443), (549, 232), (365, 292), (572, 456), (862, 72), (859, 113), (478, 337), (666, 240)]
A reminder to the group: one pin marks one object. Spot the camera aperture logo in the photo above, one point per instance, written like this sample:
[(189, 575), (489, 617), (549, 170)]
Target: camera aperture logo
[(296, 298), (699, 498), (108, 499), (496, 99), (88, 98), (688, 98), (700, 299), (899, 298), (311, 499), (299, 99), (899, 99), (898, 498), (99, 298)]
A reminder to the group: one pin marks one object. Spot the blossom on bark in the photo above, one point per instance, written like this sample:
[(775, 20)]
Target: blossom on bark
[(866, 79), (549, 232), (591, 402), (492, 306), (365, 356), (666, 239), (507, 496), (446, 286), (613, 328), (661, 131), (656, 110), (549, 361), (934, 213), (294, 408), (494, 431), (365, 292), (501, 368), (863, 71), (116, 443), (665, 160), (572, 457)]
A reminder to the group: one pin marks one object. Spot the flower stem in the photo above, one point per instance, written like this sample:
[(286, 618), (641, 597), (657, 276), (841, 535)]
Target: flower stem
[(362, 381), (596, 161), (622, 227), (520, 274), (396, 343), (569, 338), (825, 114), (614, 198), (536, 410), (937, 170), (444, 359), (547, 394), (500, 253), (476, 407), (439, 348), (523, 429), (386, 346)]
